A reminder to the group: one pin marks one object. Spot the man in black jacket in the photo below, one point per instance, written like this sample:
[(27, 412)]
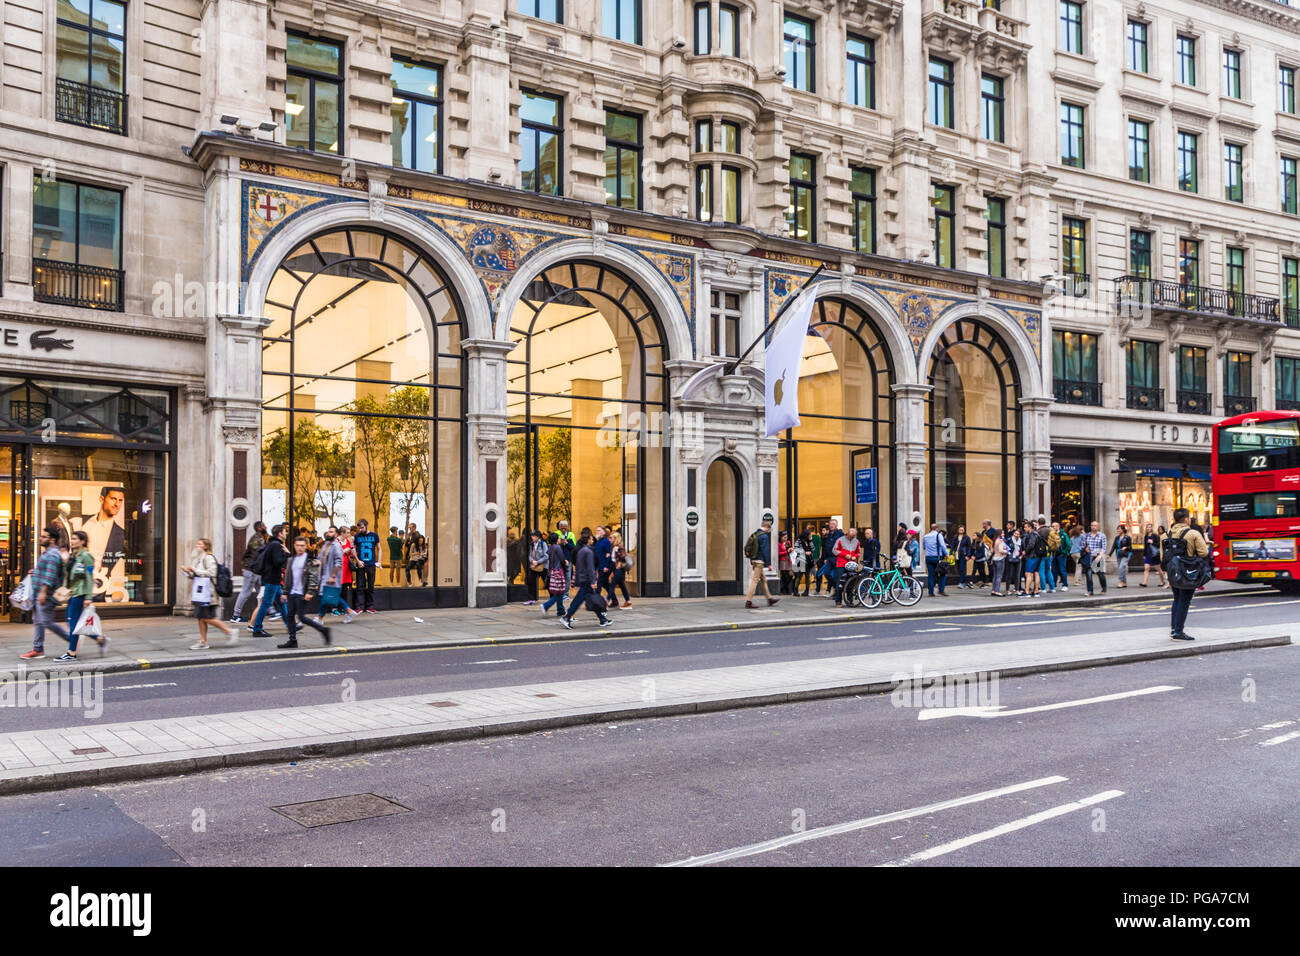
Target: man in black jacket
[(584, 573), (252, 582), (273, 562), (870, 549)]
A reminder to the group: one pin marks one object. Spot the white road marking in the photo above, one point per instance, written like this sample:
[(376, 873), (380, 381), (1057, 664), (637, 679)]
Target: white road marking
[(791, 839), (325, 673), (504, 660), (934, 713), (936, 630), (1280, 723), (1274, 741), (1006, 828), (139, 686), (614, 653), (846, 637), (759, 644)]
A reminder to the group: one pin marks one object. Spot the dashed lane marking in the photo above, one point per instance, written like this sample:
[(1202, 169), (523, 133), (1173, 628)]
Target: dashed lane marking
[(1274, 741)]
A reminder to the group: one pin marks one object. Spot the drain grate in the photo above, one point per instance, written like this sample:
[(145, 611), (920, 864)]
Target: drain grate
[(82, 751), (358, 806), (444, 703)]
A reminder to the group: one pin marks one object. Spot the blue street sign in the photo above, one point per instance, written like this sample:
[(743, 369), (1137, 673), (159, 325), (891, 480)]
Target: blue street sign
[(864, 486)]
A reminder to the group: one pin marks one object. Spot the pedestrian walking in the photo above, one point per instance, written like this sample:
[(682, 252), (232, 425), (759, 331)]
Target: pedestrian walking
[(366, 543), (936, 550), (848, 551), (783, 563), (301, 578), (333, 563), (588, 587), (251, 583), (351, 565), (539, 565), (557, 582), (1076, 552), (623, 563), (202, 571), (1092, 554), (758, 550), (1186, 557), (1122, 548), (998, 561), (394, 554), (47, 577), (603, 551), (273, 557), (831, 572), (1151, 556)]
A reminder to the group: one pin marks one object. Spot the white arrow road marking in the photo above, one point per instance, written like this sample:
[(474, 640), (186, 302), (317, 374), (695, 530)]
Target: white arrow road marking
[(933, 713), (838, 828), (1006, 828), (1274, 741)]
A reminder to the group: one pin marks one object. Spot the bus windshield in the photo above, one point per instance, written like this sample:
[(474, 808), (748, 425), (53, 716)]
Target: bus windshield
[(1259, 446)]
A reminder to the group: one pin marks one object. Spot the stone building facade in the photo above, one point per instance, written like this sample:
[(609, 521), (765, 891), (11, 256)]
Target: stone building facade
[(482, 266)]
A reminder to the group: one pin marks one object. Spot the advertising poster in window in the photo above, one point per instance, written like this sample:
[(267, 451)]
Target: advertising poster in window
[(100, 510)]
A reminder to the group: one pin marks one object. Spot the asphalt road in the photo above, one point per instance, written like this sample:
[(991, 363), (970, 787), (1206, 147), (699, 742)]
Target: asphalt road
[(278, 682), (1200, 772)]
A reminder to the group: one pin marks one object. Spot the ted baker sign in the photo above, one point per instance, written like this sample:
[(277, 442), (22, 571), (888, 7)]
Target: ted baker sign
[(1199, 434)]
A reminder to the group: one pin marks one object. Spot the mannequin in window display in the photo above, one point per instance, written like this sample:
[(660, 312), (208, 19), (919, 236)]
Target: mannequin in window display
[(62, 524)]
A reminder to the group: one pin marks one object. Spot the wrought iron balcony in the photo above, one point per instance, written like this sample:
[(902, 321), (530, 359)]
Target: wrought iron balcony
[(1194, 403), (90, 106), (1238, 404), (1151, 399), (1069, 392), (1136, 292), (70, 283), (1291, 316), (1288, 405)]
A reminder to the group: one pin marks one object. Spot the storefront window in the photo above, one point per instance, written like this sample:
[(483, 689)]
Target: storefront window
[(974, 429), (1150, 496), (93, 457), (362, 403)]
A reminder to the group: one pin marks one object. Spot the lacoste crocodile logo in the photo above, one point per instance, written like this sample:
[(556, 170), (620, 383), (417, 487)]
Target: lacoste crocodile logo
[(43, 340)]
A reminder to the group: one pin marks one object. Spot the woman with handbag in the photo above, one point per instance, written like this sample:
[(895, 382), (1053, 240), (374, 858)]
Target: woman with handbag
[(622, 565), (557, 582), (78, 585), (998, 561), (202, 570), (539, 562)]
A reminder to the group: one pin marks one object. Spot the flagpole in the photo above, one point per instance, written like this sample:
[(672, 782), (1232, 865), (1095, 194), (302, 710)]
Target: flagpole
[(731, 367)]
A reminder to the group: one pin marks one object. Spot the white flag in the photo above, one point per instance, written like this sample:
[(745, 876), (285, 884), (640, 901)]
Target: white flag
[(782, 359)]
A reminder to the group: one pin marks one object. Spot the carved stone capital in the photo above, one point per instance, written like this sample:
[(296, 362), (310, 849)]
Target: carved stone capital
[(236, 433)]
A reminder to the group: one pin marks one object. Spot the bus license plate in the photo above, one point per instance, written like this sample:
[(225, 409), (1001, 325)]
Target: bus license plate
[(1263, 574)]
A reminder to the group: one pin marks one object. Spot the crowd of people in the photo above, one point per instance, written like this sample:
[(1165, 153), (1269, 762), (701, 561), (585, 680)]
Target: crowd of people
[(592, 565)]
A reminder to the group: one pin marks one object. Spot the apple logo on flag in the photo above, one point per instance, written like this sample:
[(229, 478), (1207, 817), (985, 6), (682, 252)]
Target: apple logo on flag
[(778, 389)]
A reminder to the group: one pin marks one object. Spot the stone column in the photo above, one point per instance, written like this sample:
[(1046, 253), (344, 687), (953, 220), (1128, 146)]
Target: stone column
[(1105, 488), (16, 200), (910, 454), (233, 37), (485, 477), (1036, 469), (235, 399)]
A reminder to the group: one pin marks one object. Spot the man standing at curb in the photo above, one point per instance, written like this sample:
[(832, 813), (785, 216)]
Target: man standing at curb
[(252, 580), (833, 534), (758, 549), (367, 545), (1184, 542), (936, 549), (848, 549), (1093, 549), (273, 560)]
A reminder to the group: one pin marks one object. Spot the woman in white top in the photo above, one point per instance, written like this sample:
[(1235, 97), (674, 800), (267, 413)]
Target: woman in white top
[(202, 569)]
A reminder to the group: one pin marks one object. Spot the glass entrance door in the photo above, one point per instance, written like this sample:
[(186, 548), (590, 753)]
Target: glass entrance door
[(15, 536)]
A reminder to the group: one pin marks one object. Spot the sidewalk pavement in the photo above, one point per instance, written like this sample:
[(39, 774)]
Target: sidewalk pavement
[(138, 643), (95, 754)]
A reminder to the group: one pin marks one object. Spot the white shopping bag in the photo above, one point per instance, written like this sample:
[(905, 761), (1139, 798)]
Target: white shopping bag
[(88, 625), (201, 591), (24, 595)]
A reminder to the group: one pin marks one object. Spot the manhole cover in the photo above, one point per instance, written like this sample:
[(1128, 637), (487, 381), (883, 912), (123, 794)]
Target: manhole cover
[(359, 806), (82, 751)]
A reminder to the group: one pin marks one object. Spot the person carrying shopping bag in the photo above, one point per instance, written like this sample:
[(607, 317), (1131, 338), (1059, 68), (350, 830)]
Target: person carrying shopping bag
[(202, 571)]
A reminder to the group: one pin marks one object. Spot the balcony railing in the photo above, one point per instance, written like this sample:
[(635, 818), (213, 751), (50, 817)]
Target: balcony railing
[(1151, 399), (70, 283), (1291, 316), (89, 106), (1193, 403), (1070, 392), (1136, 291), (1238, 404), (1288, 404)]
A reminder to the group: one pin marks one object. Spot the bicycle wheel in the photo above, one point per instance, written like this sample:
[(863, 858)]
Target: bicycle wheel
[(850, 595), (870, 593), (906, 591)]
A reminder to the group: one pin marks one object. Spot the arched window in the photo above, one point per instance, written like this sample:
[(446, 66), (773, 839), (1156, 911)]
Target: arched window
[(586, 395), (973, 422), (846, 410), (362, 392)]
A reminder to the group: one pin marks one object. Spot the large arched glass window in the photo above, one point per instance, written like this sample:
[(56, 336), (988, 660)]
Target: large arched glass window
[(586, 396), (973, 422), (362, 397), (846, 413)]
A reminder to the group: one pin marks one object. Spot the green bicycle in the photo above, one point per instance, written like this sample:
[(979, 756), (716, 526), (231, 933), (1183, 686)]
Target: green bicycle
[(892, 585)]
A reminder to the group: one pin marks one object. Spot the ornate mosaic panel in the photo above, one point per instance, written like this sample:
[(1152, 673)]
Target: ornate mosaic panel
[(1032, 323)]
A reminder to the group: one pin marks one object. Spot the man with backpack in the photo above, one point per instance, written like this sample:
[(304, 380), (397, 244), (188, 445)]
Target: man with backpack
[(1035, 544), (252, 578), (758, 549), (270, 561), (1185, 557)]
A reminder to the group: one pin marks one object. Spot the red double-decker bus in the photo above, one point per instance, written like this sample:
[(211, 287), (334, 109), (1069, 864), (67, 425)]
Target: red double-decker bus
[(1256, 477)]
